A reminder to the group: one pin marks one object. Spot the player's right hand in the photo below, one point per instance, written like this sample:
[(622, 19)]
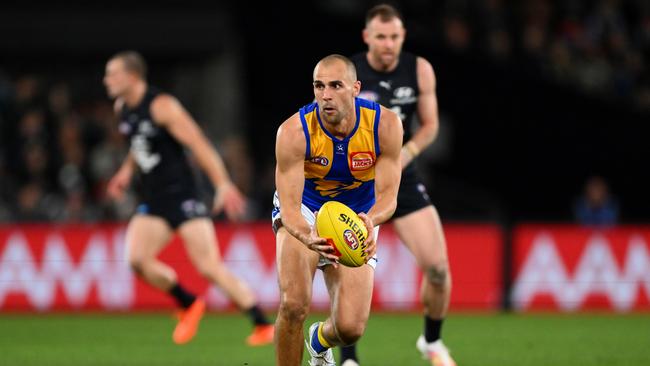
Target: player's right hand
[(118, 185), (321, 246), (230, 200)]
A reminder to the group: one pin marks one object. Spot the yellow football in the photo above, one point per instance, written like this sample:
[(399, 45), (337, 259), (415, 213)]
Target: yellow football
[(345, 232)]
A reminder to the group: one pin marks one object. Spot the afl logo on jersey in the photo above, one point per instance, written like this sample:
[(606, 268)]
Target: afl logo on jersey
[(362, 160), (320, 160), (369, 95), (124, 128)]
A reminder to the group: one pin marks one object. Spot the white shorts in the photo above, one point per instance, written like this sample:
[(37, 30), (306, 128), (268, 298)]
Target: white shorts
[(309, 216)]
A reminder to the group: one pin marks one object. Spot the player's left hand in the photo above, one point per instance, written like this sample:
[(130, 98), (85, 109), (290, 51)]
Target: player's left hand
[(230, 200), (405, 157), (371, 245)]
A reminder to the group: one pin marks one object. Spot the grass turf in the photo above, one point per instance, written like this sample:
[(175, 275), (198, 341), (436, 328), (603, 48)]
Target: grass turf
[(475, 339)]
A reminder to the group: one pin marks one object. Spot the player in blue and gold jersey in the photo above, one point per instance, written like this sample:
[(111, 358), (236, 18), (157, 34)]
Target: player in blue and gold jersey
[(341, 169), (339, 148)]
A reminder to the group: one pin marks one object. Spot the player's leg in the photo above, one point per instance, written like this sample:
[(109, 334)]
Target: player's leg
[(422, 233), (200, 242), (296, 267), (350, 291), (146, 236)]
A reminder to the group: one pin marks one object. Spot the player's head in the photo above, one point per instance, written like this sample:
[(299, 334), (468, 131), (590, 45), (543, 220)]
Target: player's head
[(123, 70), (384, 34), (335, 86)]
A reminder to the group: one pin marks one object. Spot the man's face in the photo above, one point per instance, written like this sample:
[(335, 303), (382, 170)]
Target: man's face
[(384, 40), (117, 79), (334, 89)]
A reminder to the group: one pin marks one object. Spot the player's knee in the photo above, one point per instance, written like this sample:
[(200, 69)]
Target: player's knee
[(293, 310), (349, 332), (438, 275), (137, 265)]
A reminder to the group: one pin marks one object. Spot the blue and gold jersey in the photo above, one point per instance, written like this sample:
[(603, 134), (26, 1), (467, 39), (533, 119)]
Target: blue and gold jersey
[(341, 169)]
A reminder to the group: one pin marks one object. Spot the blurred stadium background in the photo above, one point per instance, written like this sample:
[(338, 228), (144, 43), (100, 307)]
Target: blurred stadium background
[(544, 110)]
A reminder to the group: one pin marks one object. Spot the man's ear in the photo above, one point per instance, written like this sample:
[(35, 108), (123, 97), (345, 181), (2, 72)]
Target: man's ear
[(365, 35)]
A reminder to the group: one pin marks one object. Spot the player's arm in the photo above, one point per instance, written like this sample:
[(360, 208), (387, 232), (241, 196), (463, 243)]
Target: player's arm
[(387, 176), (119, 183), (168, 111), (290, 147), (387, 168), (122, 178), (427, 109)]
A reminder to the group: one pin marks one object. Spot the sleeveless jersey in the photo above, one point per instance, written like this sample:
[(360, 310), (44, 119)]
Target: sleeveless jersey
[(397, 90), (341, 169), (163, 165)]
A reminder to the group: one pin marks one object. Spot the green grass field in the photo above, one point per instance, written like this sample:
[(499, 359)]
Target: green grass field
[(486, 339)]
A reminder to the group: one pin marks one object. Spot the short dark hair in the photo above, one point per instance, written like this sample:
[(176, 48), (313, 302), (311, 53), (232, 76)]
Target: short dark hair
[(133, 62), (385, 12)]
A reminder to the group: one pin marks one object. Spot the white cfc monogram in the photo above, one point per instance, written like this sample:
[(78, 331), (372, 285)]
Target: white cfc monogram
[(142, 153)]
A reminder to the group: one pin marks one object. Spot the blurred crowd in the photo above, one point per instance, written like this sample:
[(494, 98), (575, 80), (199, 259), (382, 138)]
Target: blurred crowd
[(58, 150), (601, 47), (56, 156)]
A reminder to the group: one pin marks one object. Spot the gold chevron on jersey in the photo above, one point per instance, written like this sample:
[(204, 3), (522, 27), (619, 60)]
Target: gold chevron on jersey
[(341, 169)]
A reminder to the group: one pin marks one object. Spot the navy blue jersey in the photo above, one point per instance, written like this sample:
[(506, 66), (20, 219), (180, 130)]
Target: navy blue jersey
[(397, 90), (163, 165)]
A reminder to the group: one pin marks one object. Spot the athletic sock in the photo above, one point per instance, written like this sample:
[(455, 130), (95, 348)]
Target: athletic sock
[(318, 341), (432, 329), (349, 353), (257, 316), (184, 298)]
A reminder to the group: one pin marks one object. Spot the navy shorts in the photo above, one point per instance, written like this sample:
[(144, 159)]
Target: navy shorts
[(412, 195), (174, 209)]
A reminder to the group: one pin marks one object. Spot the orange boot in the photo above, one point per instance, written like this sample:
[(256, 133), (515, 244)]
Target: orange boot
[(262, 335), (188, 323)]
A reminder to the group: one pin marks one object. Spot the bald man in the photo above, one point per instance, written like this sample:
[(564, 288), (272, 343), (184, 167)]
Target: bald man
[(339, 148)]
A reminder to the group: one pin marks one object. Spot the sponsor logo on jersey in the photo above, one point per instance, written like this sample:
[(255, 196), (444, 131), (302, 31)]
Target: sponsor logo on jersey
[(369, 95), (386, 84), (362, 160), (192, 208), (403, 95), (423, 190), (146, 128), (320, 160), (350, 239)]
